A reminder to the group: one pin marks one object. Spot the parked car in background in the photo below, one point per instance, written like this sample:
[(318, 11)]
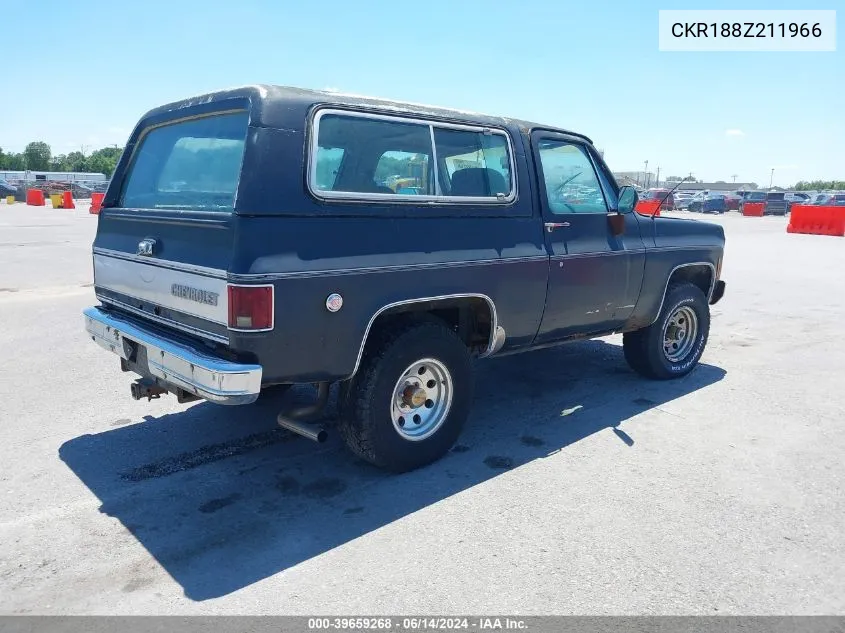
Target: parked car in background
[(654, 195), (752, 196), (682, 199), (815, 197), (732, 201), (81, 190), (794, 197), (708, 203), (830, 200), (774, 202), (7, 190)]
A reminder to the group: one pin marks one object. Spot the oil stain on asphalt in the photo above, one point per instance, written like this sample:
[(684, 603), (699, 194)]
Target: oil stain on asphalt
[(218, 504), (206, 455), (498, 462)]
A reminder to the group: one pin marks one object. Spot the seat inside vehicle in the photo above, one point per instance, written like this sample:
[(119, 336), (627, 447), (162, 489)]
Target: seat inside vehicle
[(478, 182)]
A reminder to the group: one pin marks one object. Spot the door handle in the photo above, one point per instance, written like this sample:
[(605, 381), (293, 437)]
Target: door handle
[(551, 226)]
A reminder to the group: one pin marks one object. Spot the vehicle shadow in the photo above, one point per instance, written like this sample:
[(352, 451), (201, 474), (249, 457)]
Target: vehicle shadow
[(222, 499)]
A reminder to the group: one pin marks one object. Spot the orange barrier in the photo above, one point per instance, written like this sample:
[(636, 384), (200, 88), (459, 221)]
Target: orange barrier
[(96, 202), (35, 198), (753, 209), (67, 200), (817, 220), (646, 207)]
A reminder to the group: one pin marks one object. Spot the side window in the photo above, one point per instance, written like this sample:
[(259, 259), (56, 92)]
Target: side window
[(405, 173), (611, 194), (477, 164), (571, 182), (326, 166), (370, 155), (356, 155)]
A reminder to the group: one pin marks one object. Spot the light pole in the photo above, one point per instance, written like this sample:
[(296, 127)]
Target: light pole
[(734, 177), (645, 175), (771, 178)]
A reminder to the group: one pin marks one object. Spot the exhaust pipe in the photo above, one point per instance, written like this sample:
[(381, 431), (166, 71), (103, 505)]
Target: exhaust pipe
[(315, 433), (294, 419)]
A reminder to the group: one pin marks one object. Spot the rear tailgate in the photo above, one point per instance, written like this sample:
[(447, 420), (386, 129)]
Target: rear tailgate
[(166, 236), (776, 203)]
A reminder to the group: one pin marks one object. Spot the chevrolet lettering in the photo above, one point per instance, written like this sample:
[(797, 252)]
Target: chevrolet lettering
[(194, 294), (377, 250)]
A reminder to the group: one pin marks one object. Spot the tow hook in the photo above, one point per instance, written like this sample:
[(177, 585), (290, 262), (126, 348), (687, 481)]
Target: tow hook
[(146, 388), (295, 419)]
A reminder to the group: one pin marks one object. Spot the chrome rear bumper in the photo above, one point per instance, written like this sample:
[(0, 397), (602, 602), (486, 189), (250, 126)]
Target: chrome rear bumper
[(176, 362)]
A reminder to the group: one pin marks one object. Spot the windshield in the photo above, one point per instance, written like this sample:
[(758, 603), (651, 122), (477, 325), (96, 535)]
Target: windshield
[(194, 164)]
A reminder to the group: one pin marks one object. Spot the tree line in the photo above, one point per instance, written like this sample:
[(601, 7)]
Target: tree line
[(819, 185), (38, 156)]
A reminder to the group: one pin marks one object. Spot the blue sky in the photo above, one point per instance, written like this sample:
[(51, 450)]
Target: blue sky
[(589, 66)]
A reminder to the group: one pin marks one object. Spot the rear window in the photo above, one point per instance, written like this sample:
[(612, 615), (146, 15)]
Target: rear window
[(193, 164)]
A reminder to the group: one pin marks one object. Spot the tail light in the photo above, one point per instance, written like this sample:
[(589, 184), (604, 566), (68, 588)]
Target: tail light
[(251, 308)]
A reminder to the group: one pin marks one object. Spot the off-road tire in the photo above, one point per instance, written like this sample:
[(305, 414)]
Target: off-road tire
[(644, 348), (366, 425)]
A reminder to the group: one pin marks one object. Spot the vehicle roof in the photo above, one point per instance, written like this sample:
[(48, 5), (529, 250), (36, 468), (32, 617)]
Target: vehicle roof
[(271, 107)]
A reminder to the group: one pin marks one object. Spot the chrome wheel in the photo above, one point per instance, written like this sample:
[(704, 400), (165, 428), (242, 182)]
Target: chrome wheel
[(680, 334), (421, 399)]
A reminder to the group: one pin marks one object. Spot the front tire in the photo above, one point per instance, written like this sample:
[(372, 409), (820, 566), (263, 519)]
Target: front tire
[(409, 400), (672, 346)]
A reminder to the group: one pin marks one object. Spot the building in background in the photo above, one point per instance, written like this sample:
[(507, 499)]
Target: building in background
[(638, 178), (55, 176), (712, 186)]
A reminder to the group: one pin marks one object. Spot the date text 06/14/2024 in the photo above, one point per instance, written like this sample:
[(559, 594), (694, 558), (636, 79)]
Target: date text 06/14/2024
[(416, 624)]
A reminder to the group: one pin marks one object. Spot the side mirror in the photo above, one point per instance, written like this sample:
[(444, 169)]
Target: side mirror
[(627, 200)]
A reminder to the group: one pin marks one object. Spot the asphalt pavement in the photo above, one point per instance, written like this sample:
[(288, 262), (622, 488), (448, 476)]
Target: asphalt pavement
[(576, 488)]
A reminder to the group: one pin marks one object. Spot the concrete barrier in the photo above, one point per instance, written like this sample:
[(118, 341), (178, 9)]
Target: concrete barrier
[(817, 220), (35, 198), (96, 202), (753, 209), (647, 207)]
